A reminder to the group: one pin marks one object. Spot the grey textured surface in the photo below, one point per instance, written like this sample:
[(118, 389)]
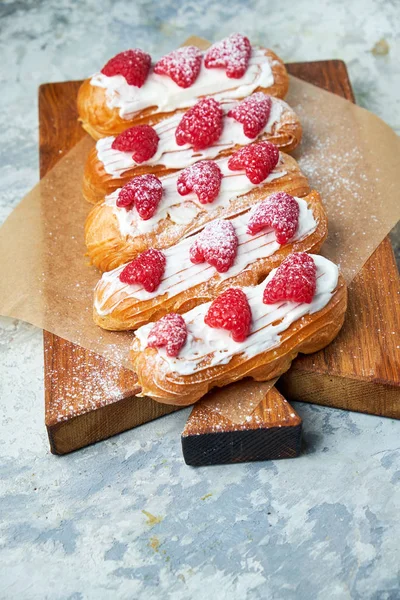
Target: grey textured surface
[(323, 526)]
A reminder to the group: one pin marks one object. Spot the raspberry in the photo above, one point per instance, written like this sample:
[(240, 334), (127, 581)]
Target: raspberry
[(279, 211), (203, 178), (182, 65), (233, 54), (257, 159), (141, 140), (216, 244), (134, 65), (253, 112), (231, 311), (201, 125), (147, 269), (294, 280), (144, 192), (170, 331)]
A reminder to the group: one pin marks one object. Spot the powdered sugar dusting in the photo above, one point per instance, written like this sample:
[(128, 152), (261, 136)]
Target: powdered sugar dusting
[(182, 65), (257, 159), (144, 192), (169, 332), (217, 244), (279, 211), (253, 112), (203, 178), (232, 53)]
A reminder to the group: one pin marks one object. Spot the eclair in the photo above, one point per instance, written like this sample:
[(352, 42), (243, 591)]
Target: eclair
[(116, 159), (238, 252), (245, 332), (130, 90), (156, 213)]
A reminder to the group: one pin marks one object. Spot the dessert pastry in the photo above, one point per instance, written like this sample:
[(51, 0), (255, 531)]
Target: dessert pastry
[(241, 251), (156, 213), (129, 91), (245, 332), (162, 149)]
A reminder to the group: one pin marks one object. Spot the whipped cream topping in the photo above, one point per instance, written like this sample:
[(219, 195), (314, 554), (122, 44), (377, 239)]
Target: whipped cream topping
[(268, 322), (172, 156), (181, 274), (161, 92), (183, 209)]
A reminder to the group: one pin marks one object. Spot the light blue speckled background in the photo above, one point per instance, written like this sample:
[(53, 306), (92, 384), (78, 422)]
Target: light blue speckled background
[(323, 526)]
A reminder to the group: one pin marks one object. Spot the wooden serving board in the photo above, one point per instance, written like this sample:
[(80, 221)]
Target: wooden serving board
[(360, 371), (272, 430)]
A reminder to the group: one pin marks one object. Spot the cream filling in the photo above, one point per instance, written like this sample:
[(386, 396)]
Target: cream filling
[(268, 322), (172, 156), (161, 92), (181, 274), (183, 209)]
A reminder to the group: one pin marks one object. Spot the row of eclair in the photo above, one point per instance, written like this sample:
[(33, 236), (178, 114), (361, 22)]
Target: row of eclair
[(206, 230)]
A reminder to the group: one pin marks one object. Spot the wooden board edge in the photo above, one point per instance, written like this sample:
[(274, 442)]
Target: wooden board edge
[(271, 431), (255, 445), (103, 423), (340, 392)]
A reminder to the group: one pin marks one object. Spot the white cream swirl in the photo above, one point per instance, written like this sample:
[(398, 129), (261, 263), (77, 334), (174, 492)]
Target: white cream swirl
[(161, 92), (172, 156), (181, 274), (268, 322), (183, 209)]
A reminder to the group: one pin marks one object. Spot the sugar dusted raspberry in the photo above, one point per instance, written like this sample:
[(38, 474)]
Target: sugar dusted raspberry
[(216, 244), (147, 269), (258, 160), (231, 311), (141, 140), (169, 332), (233, 54), (279, 211), (182, 65), (134, 65), (144, 192), (294, 280), (253, 112), (201, 125), (203, 178)]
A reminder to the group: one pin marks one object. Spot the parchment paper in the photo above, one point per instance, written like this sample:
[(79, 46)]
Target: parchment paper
[(350, 156)]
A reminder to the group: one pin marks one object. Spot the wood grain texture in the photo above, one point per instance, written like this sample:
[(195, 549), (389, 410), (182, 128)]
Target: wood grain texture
[(271, 431), (363, 363)]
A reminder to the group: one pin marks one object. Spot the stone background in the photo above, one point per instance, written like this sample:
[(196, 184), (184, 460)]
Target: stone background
[(127, 518)]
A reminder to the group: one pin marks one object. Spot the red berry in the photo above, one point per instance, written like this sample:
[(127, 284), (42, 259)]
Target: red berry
[(294, 280), (147, 269), (231, 311), (233, 54), (253, 112), (134, 65), (182, 65), (201, 125), (203, 178), (216, 244), (257, 159), (144, 192), (169, 332), (141, 140), (279, 211)]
